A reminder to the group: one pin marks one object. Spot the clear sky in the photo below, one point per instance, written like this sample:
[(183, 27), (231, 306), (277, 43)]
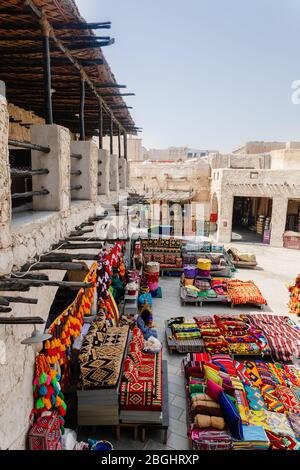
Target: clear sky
[(206, 73)]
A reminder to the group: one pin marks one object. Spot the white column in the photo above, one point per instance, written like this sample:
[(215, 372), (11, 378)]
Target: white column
[(57, 182), (114, 173), (122, 173), (88, 166), (225, 218), (278, 220), (103, 172)]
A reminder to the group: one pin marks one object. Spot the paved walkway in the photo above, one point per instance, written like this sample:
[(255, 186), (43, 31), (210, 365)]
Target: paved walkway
[(277, 267)]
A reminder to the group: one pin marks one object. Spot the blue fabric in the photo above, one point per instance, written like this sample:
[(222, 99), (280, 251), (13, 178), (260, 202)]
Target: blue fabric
[(231, 416), (147, 332)]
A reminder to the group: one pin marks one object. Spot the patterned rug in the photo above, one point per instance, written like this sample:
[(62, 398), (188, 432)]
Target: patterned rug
[(100, 364)]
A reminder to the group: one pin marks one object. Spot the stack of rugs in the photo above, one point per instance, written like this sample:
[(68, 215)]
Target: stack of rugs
[(244, 292), (251, 405), (141, 386), (203, 287), (186, 330), (100, 360), (232, 333), (282, 333), (214, 341), (242, 337), (186, 334), (218, 262)]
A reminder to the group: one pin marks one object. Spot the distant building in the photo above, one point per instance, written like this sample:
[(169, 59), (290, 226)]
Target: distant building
[(252, 193), (174, 153)]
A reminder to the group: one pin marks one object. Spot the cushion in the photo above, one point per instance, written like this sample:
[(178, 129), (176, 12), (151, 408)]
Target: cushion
[(130, 373), (158, 257), (202, 421), (212, 375), (137, 358), (232, 416), (170, 258), (197, 388), (147, 257), (209, 408), (188, 282), (213, 390)]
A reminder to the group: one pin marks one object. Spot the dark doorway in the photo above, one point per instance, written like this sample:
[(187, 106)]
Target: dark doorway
[(251, 219)]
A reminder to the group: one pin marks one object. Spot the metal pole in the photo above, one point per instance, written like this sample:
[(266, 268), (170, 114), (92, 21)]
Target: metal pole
[(47, 77), (81, 113), (111, 135), (119, 142), (100, 127), (125, 145)]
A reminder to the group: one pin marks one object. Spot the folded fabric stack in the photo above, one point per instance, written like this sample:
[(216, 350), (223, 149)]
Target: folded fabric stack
[(282, 334), (214, 341), (278, 428), (255, 438), (183, 331), (242, 337), (244, 292), (210, 439), (219, 286), (204, 265)]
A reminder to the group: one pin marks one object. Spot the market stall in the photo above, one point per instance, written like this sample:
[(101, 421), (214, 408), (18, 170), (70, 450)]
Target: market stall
[(235, 405)]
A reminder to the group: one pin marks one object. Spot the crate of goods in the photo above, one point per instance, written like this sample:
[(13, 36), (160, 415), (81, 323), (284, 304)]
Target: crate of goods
[(260, 224), (45, 433), (217, 248), (291, 240)]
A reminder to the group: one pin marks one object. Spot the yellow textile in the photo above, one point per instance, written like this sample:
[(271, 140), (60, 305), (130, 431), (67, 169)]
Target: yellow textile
[(203, 263), (212, 375)]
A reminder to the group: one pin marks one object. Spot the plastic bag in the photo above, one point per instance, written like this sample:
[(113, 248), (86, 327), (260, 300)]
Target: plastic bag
[(152, 345)]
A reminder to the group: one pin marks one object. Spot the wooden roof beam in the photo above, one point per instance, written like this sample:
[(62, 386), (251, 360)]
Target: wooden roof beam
[(97, 25)]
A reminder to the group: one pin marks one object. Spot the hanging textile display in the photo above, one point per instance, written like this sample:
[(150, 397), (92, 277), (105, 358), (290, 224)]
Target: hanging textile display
[(47, 392), (109, 261), (67, 326)]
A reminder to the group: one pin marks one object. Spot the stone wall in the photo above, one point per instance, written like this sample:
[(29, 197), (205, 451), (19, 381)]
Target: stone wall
[(16, 131), (219, 160), (5, 199), (185, 176), (259, 147), (285, 158)]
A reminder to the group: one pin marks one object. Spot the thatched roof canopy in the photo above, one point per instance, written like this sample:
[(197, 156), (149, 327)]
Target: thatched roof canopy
[(21, 64)]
